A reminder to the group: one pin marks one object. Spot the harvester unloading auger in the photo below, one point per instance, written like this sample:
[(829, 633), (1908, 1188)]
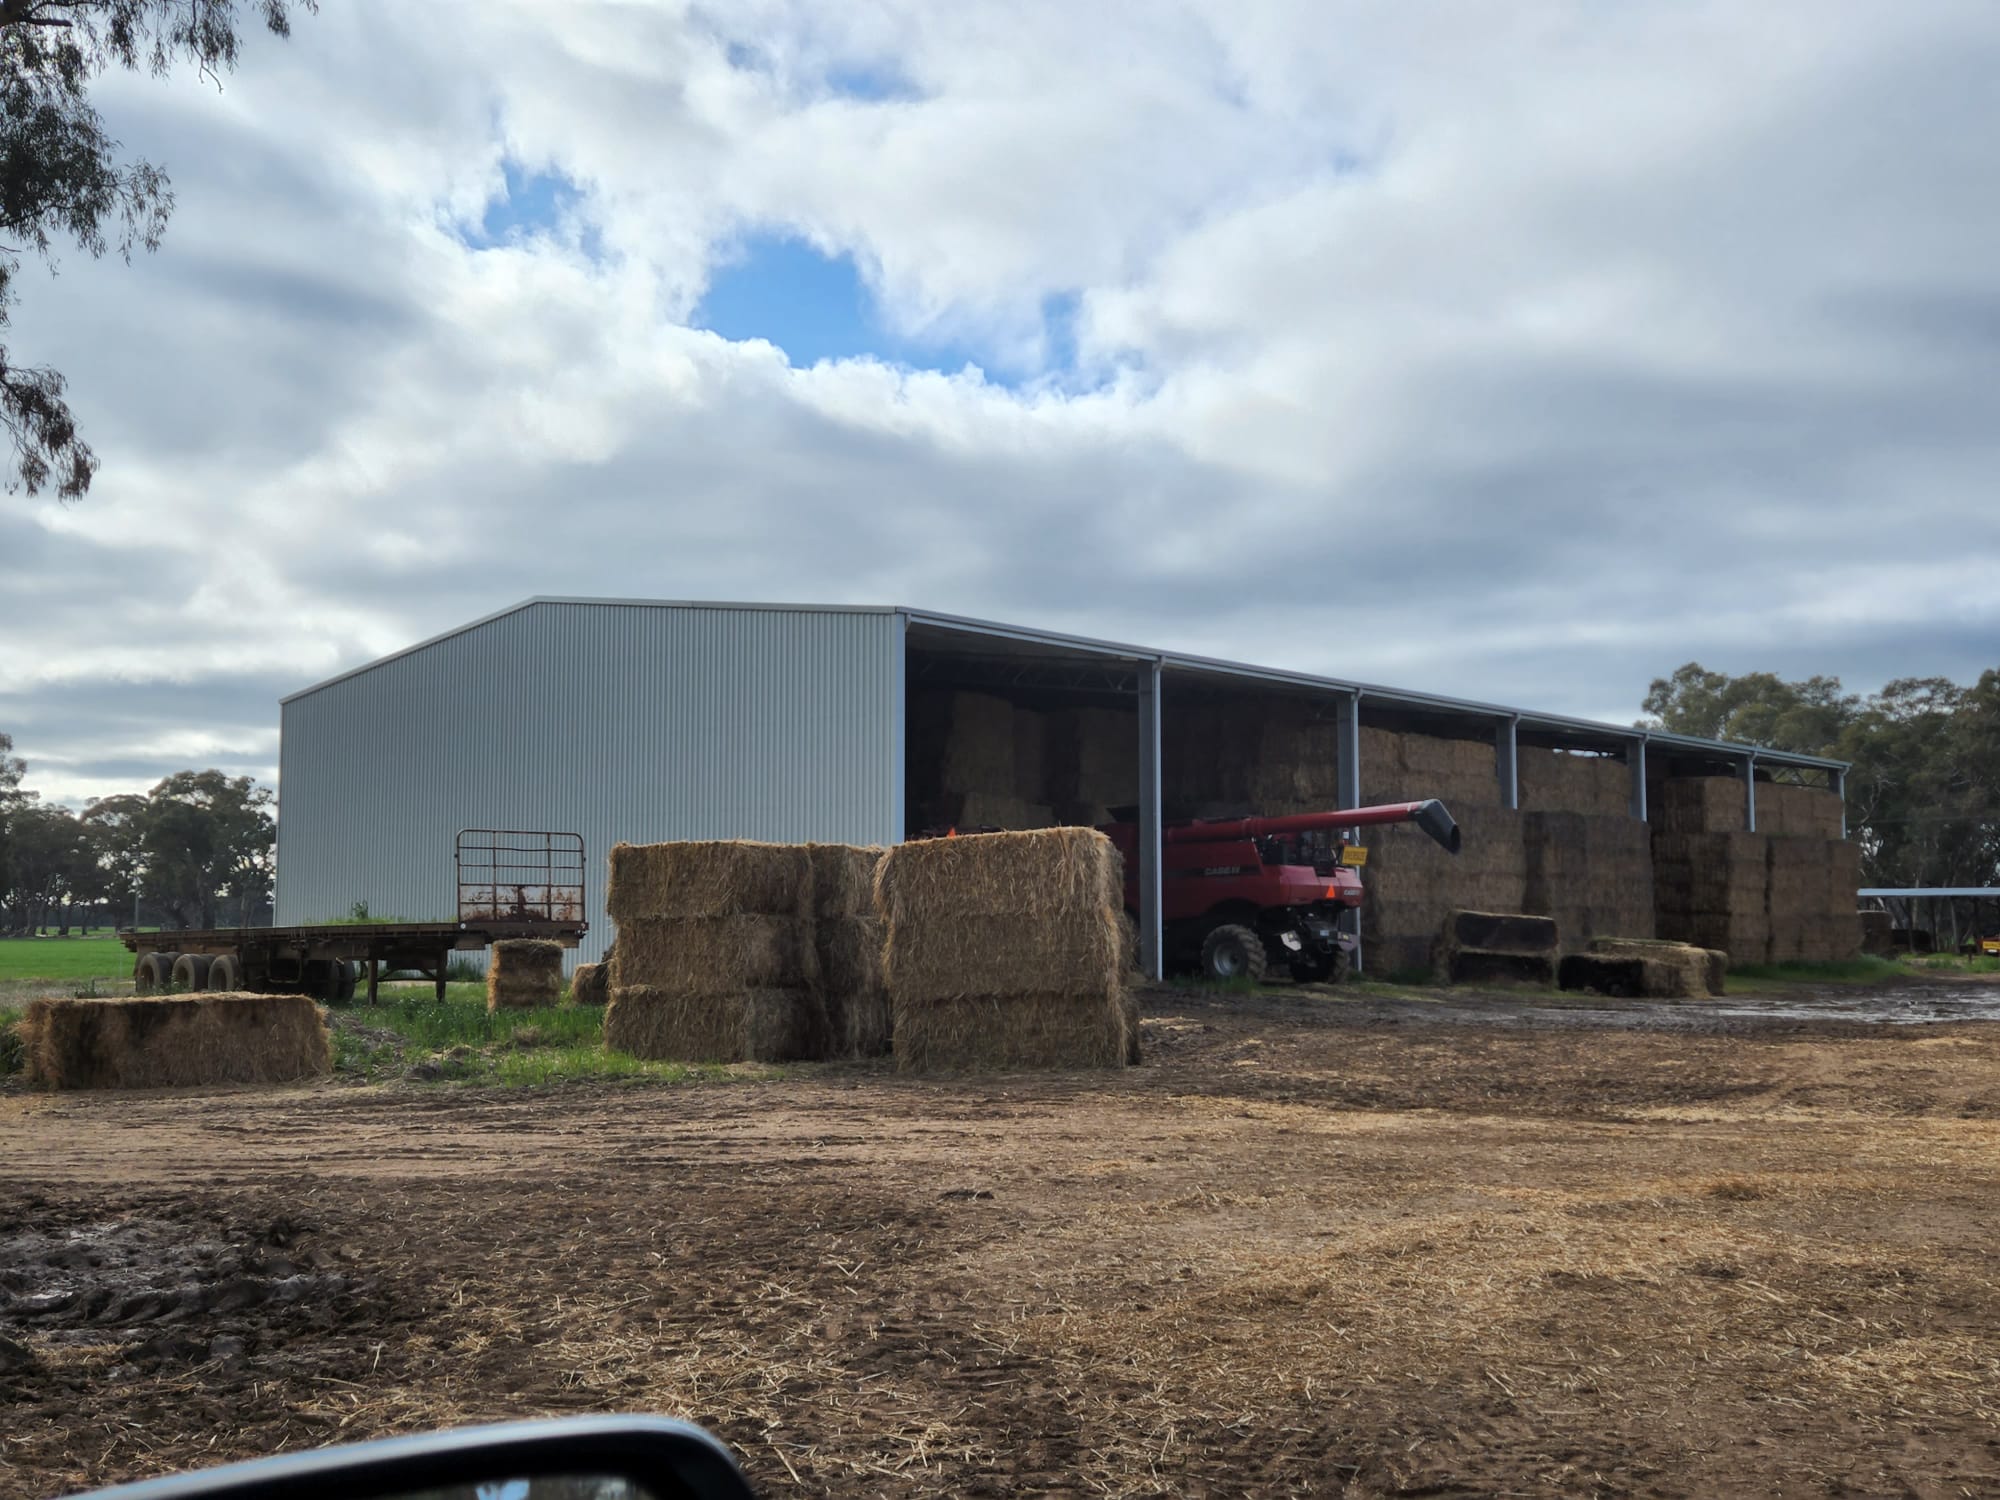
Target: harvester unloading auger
[(1242, 895)]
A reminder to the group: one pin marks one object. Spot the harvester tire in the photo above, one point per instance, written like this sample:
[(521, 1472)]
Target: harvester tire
[(1232, 952), (1329, 968), (190, 975)]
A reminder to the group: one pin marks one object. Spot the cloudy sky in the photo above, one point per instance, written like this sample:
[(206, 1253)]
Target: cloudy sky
[(1522, 352)]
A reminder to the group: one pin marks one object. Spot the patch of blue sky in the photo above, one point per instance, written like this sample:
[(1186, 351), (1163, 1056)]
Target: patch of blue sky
[(816, 306), (530, 203)]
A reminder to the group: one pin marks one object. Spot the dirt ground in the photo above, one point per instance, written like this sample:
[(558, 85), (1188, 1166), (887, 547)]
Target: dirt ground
[(1313, 1246)]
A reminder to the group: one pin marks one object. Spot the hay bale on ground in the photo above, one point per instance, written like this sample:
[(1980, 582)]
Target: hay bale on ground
[(175, 1041), (1006, 951), (746, 1026), (1696, 972), (523, 973), (590, 985), (1478, 947), (709, 878), (1010, 1033)]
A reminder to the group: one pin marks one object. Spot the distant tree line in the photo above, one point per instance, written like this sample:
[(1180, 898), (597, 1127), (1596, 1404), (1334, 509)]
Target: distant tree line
[(1923, 796), (197, 850)]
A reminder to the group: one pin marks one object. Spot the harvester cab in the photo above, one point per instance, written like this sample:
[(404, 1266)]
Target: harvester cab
[(1241, 897)]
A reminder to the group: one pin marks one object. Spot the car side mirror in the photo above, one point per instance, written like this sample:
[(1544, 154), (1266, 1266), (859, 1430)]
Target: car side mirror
[(575, 1458)]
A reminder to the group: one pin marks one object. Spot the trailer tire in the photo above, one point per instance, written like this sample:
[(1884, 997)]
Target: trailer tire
[(191, 972), (1232, 952), (153, 974), (225, 973), (344, 979)]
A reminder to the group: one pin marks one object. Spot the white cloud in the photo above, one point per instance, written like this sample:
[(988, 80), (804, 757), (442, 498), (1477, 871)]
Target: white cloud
[(1518, 352)]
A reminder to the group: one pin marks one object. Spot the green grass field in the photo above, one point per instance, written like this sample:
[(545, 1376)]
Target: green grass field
[(457, 1040), (64, 958)]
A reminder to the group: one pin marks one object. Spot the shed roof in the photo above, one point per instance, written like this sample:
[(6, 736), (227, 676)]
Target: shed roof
[(1584, 730)]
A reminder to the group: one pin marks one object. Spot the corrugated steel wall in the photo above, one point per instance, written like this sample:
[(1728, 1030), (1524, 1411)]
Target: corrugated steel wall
[(617, 721)]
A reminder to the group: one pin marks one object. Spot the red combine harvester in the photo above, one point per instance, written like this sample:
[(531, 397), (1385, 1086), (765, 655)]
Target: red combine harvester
[(1241, 895)]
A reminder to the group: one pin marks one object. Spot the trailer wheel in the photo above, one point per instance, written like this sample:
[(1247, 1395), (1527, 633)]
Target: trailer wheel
[(1232, 952), (225, 973), (191, 972), (153, 974), (343, 980)]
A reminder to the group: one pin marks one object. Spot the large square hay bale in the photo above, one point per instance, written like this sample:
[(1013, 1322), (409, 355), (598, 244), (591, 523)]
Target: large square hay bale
[(174, 1041), (843, 879), (1081, 953), (1696, 972), (743, 1026), (1054, 872), (1014, 1033), (709, 878), (979, 746), (523, 973), (1699, 804), (712, 955)]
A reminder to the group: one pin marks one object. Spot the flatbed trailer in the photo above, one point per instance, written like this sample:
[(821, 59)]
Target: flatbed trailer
[(511, 884)]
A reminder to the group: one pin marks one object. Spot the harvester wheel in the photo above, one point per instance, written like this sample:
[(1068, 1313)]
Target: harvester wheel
[(1326, 968), (1232, 952), (190, 974)]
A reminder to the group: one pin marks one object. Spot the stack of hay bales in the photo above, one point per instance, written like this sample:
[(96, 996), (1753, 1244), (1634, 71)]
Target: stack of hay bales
[(1783, 894), (523, 973), (1710, 891), (1006, 951), (1094, 757), (716, 959), (1479, 947), (1413, 884), (1592, 872), (1812, 899), (847, 940), (174, 1041)]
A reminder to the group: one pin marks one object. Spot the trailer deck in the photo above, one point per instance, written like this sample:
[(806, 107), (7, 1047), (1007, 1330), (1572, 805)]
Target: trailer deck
[(511, 884)]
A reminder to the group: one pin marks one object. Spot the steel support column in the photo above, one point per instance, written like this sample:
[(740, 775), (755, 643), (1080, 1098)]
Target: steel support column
[(1506, 761), (1347, 728), (1750, 792), (1151, 956), (899, 748), (1636, 758)]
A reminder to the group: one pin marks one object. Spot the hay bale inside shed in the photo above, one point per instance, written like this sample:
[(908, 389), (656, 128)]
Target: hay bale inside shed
[(1006, 951), (523, 974), (174, 1041)]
